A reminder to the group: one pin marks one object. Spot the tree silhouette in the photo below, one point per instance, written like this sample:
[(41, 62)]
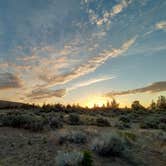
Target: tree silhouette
[(136, 105), (161, 102), (152, 105), (114, 104)]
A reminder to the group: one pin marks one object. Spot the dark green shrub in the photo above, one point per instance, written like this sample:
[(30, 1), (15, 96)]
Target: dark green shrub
[(87, 159), (162, 126), (35, 123), (26, 121), (163, 119), (74, 119), (150, 123), (55, 122), (125, 119), (102, 122)]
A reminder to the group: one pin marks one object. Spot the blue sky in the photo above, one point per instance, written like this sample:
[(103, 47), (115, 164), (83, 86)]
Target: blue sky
[(79, 50)]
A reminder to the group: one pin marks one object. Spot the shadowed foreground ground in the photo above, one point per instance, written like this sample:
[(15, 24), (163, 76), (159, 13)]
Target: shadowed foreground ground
[(28, 147)]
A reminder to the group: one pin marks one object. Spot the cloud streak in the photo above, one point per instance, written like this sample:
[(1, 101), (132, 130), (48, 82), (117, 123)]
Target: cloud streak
[(91, 65), (161, 25), (152, 88), (89, 82), (43, 91), (9, 80), (46, 93), (108, 15)]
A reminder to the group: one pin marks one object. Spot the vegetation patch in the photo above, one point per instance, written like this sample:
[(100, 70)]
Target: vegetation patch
[(87, 159), (102, 122), (110, 144), (26, 121), (74, 158), (151, 123), (122, 125), (55, 122), (125, 119), (74, 119), (77, 137)]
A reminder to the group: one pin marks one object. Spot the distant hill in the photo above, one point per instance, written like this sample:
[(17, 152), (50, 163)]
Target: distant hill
[(10, 104)]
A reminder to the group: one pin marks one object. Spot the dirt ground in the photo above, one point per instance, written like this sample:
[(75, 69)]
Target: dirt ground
[(19, 147)]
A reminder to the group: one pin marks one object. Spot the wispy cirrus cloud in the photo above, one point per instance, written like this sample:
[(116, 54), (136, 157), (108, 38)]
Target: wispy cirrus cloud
[(9, 80), (28, 58), (91, 65), (46, 93), (152, 88), (108, 15), (89, 82)]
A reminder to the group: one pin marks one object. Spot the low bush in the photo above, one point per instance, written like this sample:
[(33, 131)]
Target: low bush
[(74, 158), (109, 145), (116, 145), (55, 122), (162, 126), (26, 121), (77, 137), (124, 118), (74, 119), (102, 122), (157, 121), (87, 159), (89, 121), (150, 123)]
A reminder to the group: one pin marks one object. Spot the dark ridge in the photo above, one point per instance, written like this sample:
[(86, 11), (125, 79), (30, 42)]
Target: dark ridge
[(11, 104)]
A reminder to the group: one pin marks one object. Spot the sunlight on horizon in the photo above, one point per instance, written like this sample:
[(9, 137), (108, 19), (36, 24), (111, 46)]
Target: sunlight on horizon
[(92, 101), (70, 52)]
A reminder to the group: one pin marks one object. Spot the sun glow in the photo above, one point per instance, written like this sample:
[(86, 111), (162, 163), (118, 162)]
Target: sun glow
[(99, 101)]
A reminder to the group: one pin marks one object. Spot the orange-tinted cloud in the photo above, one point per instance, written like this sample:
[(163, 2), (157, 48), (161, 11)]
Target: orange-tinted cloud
[(9, 80), (91, 65), (154, 87), (46, 93)]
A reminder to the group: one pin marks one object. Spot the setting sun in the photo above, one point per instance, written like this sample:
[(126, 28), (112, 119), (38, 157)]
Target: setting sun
[(99, 101)]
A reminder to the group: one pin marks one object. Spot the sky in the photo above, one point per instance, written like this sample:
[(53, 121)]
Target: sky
[(82, 51)]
